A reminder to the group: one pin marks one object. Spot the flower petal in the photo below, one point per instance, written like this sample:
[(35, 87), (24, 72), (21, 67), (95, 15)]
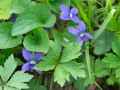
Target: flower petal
[(65, 16), (74, 11), (26, 66), (31, 68), (27, 55), (89, 36), (38, 55), (74, 31), (82, 26), (64, 8), (13, 18), (39, 71), (80, 40), (75, 19)]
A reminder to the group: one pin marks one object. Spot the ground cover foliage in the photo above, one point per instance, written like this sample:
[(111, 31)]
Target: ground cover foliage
[(59, 44)]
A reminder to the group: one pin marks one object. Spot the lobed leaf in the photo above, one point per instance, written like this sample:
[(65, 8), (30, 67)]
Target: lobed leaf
[(9, 67), (70, 52), (61, 75), (50, 60), (18, 80)]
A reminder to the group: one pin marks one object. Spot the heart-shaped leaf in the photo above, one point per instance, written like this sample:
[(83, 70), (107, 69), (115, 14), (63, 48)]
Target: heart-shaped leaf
[(6, 39), (38, 15), (38, 43)]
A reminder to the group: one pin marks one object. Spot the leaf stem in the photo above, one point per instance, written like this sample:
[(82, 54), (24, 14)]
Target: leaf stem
[(98, 85), (88, 60), (51, 83), (38, 82)]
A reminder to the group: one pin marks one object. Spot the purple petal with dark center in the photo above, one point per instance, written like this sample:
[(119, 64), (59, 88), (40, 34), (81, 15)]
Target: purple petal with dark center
[(89, 36), (26, 66), (64, 8), (80, 40), (39, 71), (27, 55), (84, 38), (82, 26), (31, 68), (74, 11), (74, 31), (65, 16), (38, 55), (75, 19)]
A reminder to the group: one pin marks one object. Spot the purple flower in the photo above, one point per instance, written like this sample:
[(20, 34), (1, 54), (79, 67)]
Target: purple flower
[(13, 18), (31, 59), (80, 32), (68, 14)]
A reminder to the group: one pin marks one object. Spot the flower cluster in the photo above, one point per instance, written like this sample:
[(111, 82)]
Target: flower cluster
[(80, 31), (32, 60)]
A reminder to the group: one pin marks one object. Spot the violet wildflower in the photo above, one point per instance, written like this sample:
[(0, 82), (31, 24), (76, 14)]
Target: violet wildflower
[(80, 32), (46, 28), (68, 14), (13, 18), (31, 59)]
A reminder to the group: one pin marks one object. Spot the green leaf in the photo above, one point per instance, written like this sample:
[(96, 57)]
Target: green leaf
[(58, 37), (100, 70), (64, 70), (10, 88), (20, 5), (113, 25), (0, 87), (54, 4), (5, 8), (79, 84), (112, 60), (117, 72), (6, 39), (74, 69), (116, 46), (50, 60), (89, 80), (61, 75), (111, 80), (19, 61), (18, 80), (35, 16), (9, 67), (33, 85), (38, 43), (104, 42), (42, 88), (15, 81), (70, 52)]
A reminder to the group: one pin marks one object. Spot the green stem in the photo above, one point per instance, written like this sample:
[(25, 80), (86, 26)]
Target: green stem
[(45, 83), (98, 85), (51, 83), (38, 82), (88, 61)]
